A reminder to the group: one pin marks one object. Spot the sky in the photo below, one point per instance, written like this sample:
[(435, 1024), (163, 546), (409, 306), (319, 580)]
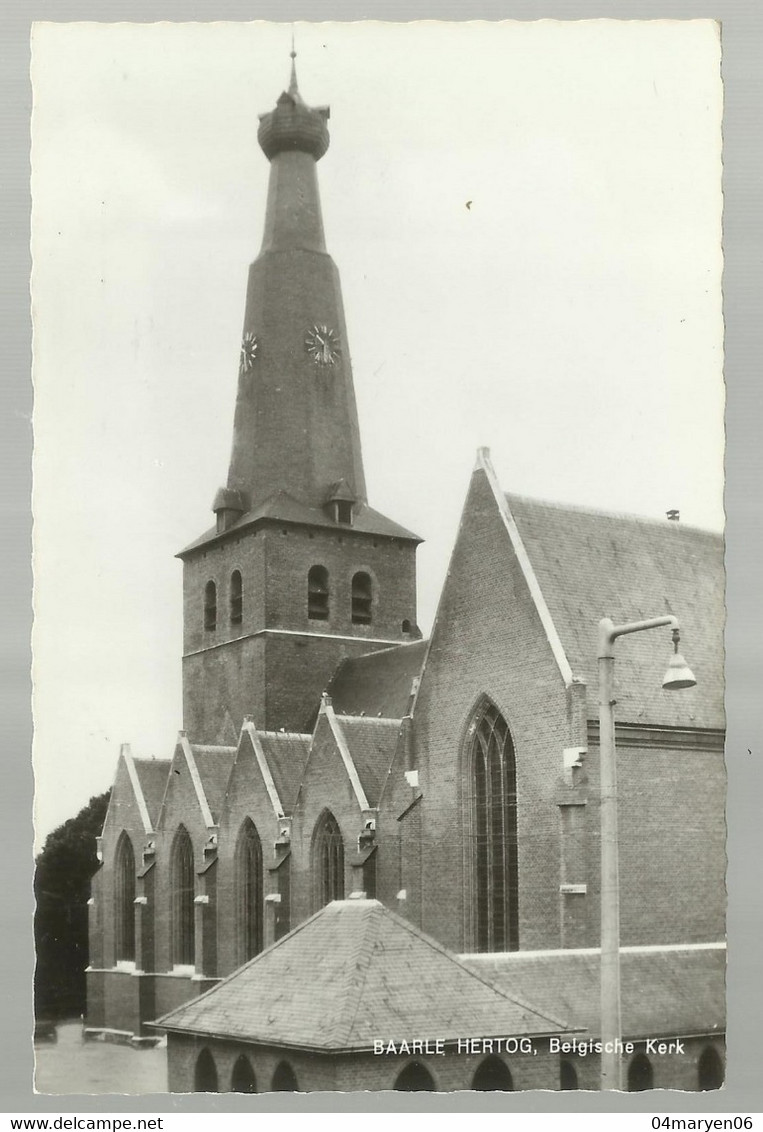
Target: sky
[(526, 218)]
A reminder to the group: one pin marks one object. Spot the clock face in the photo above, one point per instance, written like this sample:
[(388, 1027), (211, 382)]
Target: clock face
[(249, 347), (322, 344)]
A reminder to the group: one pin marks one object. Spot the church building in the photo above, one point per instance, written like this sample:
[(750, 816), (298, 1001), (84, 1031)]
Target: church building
[(353, 813)]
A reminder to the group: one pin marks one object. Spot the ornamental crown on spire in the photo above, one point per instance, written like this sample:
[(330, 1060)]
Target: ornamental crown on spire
[(294, 125)]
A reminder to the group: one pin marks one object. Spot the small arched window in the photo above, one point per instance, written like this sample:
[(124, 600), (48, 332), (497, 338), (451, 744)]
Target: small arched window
[(362, 598), (568, 1076), (415, 1078), (406, 626), (318, 593), (182, 876), (709, 1070), (210, 607), (205, 1074), (328, 861), (124, 900), (493, 1076), (640, 1074), (284, 1079), (249, 891), (243, 1079), (490, 758), (236, 598)]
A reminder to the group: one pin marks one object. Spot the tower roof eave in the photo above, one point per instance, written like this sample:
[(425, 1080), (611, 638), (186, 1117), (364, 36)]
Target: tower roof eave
[(283, 508)]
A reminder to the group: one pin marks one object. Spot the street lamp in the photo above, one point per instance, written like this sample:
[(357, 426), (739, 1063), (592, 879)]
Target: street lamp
[(678, 676)]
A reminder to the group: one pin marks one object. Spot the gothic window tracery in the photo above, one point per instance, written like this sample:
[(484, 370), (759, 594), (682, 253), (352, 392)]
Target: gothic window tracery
[(124, 900), (492, 774), (328, 861), (182, 875), (249, 900)]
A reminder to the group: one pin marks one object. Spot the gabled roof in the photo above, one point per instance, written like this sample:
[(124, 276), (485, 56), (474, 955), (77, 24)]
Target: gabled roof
[(665, 991), (378, 975), (591, 564), (286, 753), (214, 765), (378, 683), (152, 776), (284, 508), (372, 743)]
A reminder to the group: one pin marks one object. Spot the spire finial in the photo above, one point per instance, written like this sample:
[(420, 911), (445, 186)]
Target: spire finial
[(293, 79)]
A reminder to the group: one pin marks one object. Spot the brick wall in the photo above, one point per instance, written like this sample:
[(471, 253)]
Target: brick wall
[(488, 642), (279, 679)]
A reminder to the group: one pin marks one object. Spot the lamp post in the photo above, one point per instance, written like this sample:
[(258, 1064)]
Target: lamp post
[(677, 676)]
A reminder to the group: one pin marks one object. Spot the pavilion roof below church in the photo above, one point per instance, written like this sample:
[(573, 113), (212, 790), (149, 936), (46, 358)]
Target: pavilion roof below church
[(591, 565), (378, 975), (665, 991), (377, 683), (284, 508), (152, 776)]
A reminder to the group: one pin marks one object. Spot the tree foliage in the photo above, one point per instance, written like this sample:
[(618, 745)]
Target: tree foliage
[(62, 889)]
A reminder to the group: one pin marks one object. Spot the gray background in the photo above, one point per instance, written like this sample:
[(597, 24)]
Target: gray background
[(742, 56)]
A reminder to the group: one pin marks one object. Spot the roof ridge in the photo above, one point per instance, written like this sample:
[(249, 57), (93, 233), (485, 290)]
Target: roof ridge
[(286, 734), (393, 719), (587, 509), (365, 953)]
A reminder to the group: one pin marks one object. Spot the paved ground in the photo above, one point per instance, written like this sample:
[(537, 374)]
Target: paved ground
[(72, 1065)]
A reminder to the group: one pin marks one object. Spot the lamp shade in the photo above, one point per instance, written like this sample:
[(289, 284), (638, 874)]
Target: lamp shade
[(678, 675)]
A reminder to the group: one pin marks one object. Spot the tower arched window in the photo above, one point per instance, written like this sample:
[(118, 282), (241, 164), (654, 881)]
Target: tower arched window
[(495, 877), (362, 598), (328, 861), (182, 879), (318, 593), (236, 598), (210, 607), (640, 1074), (249, 891), (124, 900)]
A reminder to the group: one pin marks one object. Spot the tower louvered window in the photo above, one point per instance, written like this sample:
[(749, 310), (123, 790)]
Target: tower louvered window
[(182, 873), (318, 593), (249, 890), (236, 598), (210, 606), (362, 599), (494, 831), (124, 900), (328, 861)]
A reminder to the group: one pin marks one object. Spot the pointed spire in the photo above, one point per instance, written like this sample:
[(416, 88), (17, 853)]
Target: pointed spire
[(293, 88)]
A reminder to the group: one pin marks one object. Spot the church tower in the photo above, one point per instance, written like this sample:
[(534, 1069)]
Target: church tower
[(298, 571)]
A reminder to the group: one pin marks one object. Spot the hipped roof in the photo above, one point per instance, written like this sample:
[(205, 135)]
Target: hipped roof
[(377, 683), (377, 975)]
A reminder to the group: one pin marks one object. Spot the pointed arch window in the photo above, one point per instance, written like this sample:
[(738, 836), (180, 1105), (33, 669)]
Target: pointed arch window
[(205, 1073), (709, 1070), (249, 891), (362, 598), (284, 1079), (328, 861), (318, 593), (210, 607), (236, 598), (124, 900), (495, 878), (182, 879), (640, 1074), (415, 1078), (243, 1079)]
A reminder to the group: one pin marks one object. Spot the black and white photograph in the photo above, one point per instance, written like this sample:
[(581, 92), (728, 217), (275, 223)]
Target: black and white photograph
[(379, 603)]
